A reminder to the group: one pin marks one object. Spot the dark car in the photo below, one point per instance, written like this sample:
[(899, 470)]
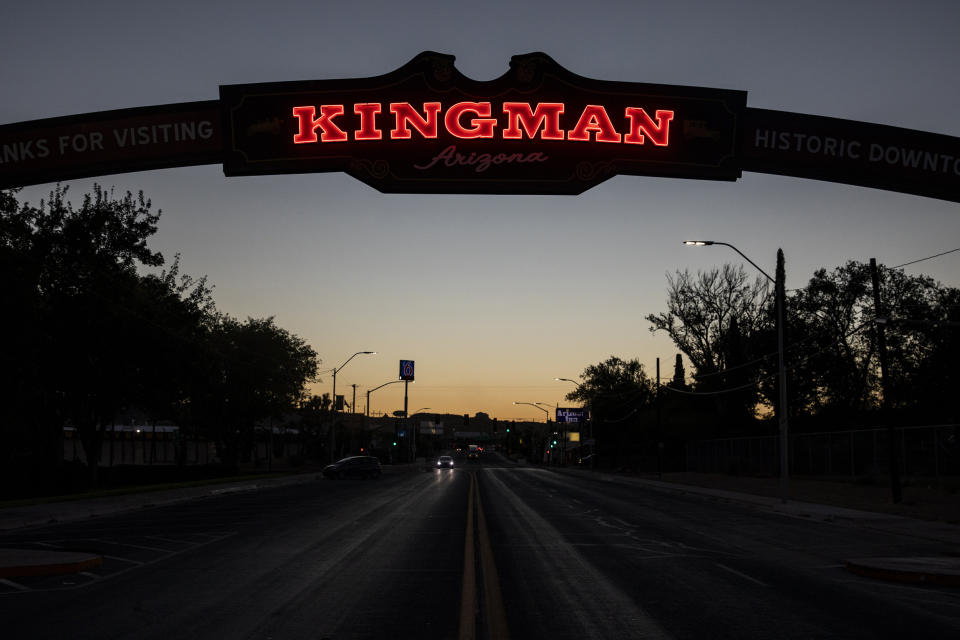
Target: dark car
[(445, 461), (353, 467)]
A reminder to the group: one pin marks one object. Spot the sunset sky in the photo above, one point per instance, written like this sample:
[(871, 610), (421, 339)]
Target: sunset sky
[(495, 296)]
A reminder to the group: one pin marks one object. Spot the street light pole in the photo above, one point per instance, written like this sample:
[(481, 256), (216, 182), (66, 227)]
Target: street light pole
[(779, 284), (413, 436), (536, 406), (563, 432), (333, 422), (369, 391)]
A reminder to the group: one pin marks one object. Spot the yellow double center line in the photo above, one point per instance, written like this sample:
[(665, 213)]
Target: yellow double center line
[(478, 538)]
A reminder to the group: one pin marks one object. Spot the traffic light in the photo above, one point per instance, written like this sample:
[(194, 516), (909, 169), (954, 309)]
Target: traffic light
[(394, 444)]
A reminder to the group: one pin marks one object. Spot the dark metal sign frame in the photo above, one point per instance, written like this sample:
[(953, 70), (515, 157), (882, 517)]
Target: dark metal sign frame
[(427, 128)]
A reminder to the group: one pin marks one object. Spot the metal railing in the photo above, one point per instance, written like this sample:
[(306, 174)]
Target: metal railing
[(930, 451)]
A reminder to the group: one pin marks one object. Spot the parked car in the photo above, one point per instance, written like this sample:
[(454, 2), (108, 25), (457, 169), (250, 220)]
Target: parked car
[(353, 467), (445, 461)]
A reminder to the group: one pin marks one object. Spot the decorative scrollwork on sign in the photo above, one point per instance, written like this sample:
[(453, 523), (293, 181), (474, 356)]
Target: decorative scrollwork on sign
[(442, 68), (590, 170), (374, 169)]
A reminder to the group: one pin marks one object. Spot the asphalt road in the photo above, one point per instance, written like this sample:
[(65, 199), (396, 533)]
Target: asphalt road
[(484, 550)]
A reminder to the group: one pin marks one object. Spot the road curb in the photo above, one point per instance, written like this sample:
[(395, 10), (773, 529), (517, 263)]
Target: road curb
[(943, 572), (24, 563)]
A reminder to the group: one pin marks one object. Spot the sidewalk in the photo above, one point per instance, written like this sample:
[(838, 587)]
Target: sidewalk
[(80, 509), (70, 510)]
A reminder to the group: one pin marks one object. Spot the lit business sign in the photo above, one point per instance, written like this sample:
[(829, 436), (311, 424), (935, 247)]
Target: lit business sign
[(427, 128), (571, 415), (406, 370)]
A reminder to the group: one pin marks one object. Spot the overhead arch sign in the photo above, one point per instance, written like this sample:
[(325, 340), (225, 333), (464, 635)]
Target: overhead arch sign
[(427, 128)]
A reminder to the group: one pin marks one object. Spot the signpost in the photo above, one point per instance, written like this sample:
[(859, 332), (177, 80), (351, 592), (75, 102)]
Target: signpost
[(406, 374)]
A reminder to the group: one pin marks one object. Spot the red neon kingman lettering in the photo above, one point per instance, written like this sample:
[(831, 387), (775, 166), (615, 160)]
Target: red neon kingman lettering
[(641, 123), (368, 121), (547, 116), (594, 119), (309, 123), (406, 114), (481, 127)]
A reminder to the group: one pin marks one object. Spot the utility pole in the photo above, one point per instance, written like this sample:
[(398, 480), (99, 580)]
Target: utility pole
[(781, 295), (659, 432), (895, 490), (353, 406), (406, 420)]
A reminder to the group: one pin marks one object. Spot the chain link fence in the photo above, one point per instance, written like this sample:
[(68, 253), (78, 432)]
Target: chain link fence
[(928, 451)]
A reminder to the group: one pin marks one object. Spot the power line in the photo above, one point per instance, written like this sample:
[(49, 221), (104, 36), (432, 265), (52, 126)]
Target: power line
[(792, 366), (937, 255)]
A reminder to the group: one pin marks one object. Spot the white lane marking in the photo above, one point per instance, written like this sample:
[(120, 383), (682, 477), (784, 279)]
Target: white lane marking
[(134, 546), (15, 585), (91, 575), (119, 559), (162, 539), (897, 586), (742, 575), (942, 603), (47, 544)]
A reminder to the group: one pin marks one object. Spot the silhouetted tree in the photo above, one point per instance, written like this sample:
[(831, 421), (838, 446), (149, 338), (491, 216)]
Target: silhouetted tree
[(679, 380), (87, 335), (699, 311), (256, 370), (314, 414), (616, 391)]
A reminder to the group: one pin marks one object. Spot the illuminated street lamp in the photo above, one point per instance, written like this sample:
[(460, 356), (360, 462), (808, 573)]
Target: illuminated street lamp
[(536, 406), (780, 295), (333, 421)]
